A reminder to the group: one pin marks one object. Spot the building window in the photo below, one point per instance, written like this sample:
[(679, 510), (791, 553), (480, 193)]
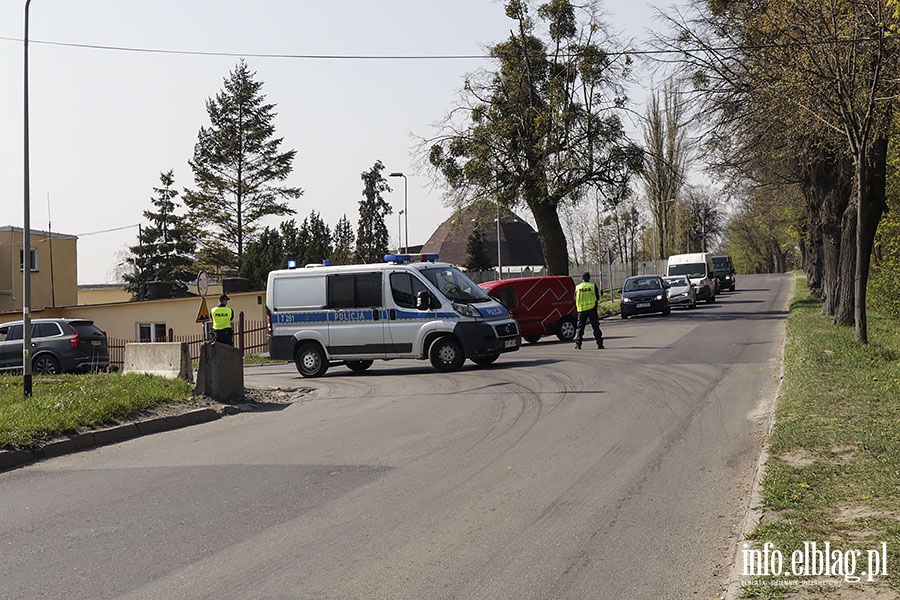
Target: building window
[(34, 260), (151, 332)]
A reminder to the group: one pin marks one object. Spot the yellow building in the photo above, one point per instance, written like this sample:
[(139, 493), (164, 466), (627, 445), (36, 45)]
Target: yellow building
[(55, 293), (54, 269)]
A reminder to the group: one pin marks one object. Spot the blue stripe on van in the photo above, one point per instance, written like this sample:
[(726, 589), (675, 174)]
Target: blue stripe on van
[(355, 316), (300, 317), (417, 315)]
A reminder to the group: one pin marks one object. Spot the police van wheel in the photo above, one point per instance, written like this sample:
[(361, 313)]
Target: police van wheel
[(359, 366), (310, 360), (485, 361), (565, 331), (446, 355)]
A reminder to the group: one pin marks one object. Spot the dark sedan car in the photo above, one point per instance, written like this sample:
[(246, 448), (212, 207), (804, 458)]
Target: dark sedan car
[(643, 294), (57, 346)]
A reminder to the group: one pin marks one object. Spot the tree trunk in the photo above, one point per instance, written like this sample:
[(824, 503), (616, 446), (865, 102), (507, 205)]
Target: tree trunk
[(553, 239), (829, 182), (812, 251), (843, 295), (872, 202)]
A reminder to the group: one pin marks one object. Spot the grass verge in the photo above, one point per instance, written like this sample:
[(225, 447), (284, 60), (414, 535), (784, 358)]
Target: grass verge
[(834, 468), (261, 359), (63, 404)]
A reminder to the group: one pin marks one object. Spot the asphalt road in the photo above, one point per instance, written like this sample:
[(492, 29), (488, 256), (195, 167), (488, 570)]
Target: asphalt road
[(555, 473)]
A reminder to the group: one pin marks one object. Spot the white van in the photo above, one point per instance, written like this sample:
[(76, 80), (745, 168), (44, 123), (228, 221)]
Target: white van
[(355, 314), (699, 269)]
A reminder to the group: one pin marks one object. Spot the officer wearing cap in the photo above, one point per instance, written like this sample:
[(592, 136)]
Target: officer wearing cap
[(222, 316), (586, 298)]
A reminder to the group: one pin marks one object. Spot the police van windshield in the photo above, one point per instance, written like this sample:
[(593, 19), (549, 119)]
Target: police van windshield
[(689, 269), (455, 285)]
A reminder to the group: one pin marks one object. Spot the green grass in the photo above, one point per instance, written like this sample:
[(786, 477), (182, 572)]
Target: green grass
[(261, 359), (834, 468), (64, 404)]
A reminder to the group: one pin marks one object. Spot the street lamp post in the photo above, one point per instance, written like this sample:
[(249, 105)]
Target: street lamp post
[(26, 238), (405, 208), (400, 229)]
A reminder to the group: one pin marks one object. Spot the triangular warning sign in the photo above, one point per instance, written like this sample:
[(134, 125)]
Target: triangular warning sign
[(203, 315)]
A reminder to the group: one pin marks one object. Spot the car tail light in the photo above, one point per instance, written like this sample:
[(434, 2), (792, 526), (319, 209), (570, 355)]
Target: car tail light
[(74, 341), (269, 331)]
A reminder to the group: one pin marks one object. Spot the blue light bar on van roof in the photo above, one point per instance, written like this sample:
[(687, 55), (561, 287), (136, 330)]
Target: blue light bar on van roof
[(405, 258), (292, 264)]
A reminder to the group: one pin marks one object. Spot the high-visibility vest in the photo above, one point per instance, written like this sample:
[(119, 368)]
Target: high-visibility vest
[(221, 317), (585, 296)]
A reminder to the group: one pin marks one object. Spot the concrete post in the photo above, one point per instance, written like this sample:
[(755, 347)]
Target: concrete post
[(220, 374), (166, 359)]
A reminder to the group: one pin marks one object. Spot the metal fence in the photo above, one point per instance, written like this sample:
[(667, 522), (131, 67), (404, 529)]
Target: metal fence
[(249, 337)]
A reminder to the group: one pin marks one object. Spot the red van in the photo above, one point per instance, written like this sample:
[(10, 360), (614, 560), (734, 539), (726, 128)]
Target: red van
[(541, 305)]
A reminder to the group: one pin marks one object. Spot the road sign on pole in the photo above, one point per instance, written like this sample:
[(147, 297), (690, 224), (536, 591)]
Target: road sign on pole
[(202, 283), (203, 315)]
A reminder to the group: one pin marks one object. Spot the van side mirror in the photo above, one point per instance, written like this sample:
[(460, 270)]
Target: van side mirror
[(423, 301)]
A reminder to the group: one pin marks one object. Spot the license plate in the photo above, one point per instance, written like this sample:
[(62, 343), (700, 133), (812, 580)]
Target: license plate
[(95, 342), (509, 344), (643, 305)]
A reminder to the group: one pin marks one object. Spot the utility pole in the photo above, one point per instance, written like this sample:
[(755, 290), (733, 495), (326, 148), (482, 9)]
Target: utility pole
[(26, 239)]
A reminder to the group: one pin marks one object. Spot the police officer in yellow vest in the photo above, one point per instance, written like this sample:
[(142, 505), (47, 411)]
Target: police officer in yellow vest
[(222, 316), (586, 298)]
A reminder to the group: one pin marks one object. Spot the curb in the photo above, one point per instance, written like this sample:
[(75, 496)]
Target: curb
[(10, 459)]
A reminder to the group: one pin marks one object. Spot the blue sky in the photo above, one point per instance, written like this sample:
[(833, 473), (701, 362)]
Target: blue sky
[(104, 123)]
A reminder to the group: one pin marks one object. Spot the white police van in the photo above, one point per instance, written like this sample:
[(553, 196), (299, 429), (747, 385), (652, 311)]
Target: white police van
[(354, 314)]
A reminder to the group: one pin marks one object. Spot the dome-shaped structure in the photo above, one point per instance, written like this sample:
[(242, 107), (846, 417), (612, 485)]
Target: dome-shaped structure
[(520, 244)]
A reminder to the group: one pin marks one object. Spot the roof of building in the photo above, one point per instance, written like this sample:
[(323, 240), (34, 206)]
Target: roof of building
[(53, 234), (520, 244)]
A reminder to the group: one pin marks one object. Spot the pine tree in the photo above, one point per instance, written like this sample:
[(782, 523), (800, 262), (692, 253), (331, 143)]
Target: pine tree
[(343, 253), (372, 232), (165, 247), (237, 170), (264, 254), (477, 258), (293, 244), (316, 239)]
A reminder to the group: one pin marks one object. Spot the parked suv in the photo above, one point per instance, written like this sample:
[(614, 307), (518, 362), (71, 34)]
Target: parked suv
[(57, 346)]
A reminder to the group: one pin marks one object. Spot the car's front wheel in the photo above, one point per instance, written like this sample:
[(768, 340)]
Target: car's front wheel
[(484, 361), (45, 364), (446, 354)]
